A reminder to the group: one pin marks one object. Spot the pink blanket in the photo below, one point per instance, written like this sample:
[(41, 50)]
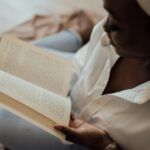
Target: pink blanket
[(43, 25)]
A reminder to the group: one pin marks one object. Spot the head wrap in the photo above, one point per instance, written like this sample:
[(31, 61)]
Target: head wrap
[(145, 5)]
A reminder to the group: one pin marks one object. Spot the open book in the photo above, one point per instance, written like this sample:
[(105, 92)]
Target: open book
[(34, 84)]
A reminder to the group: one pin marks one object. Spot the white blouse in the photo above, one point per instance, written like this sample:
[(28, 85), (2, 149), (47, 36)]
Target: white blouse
[(124, 115)]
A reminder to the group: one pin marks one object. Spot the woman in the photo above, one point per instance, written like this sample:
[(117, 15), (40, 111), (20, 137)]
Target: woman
[(111, 83), (112, 89)]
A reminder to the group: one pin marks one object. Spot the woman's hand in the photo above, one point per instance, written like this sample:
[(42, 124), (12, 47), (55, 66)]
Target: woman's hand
[(85, 134)]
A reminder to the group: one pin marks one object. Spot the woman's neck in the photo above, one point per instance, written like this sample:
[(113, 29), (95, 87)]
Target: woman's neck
[(128, 73)]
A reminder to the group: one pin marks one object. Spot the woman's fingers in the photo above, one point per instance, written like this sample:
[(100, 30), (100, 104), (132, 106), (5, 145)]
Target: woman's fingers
[(85, 134), (71, 134), (73, 116), (66, 130)]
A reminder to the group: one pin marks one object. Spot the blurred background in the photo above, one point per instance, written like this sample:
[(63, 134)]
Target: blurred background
[(16, 12)]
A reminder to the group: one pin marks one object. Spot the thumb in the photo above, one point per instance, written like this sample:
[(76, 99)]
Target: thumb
[(71, 134), (66, 130)]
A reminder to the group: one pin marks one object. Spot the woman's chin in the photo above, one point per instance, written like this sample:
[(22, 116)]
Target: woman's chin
[(121, 53)]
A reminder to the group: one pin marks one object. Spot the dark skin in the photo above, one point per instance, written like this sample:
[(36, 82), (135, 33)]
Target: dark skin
[(123, 28), (128, 28)]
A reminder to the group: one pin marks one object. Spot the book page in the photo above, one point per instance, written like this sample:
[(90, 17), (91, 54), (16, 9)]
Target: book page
[(50, 105), (29, 115), (35, 65)]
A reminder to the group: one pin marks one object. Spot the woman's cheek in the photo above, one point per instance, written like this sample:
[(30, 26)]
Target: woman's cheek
[(124, 44)]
